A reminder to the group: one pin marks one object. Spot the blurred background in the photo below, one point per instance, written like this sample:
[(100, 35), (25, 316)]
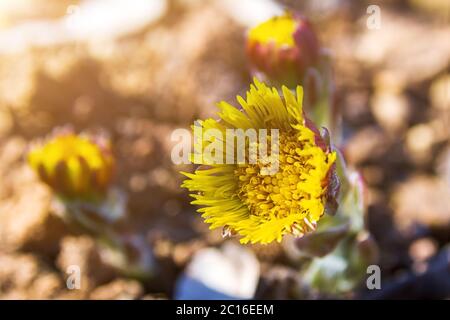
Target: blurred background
[(140, 69)]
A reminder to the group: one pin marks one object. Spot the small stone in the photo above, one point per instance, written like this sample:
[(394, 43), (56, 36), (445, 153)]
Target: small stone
[(119, 289), (238, 269), (24, 276), (424, 200), (84, 253), (419, 142), (391, 111), (138, 182), (440, 93), (389, 104), (398, 49), (423, 249), (26, 217), (368, 143), (46, 286)]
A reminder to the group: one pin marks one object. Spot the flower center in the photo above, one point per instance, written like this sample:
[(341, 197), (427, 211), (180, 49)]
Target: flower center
[(297, 186), (279, 30)]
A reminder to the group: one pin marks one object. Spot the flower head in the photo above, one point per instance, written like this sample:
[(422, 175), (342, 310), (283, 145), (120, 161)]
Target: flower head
[(246, 198), (282, 48), (75, 166)]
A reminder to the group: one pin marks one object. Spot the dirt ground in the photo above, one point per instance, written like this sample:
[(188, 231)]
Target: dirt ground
[(392, 86)]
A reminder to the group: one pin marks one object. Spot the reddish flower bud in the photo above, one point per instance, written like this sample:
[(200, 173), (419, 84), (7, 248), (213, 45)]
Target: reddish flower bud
[(282, 49)]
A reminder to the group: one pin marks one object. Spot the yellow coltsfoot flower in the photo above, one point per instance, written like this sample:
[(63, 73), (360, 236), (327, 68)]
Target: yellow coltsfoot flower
[(74, 166), (282, 48), (246, 198)]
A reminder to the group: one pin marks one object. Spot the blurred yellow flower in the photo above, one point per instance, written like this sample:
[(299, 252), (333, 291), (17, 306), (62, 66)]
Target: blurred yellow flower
[(244, 198), (283, 48), (75, 166)]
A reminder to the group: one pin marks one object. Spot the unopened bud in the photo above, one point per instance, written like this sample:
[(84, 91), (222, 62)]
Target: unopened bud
[(74, 166), (283, 48)]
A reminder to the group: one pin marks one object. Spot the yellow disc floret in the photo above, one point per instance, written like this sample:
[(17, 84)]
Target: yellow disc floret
[(296, 188)]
